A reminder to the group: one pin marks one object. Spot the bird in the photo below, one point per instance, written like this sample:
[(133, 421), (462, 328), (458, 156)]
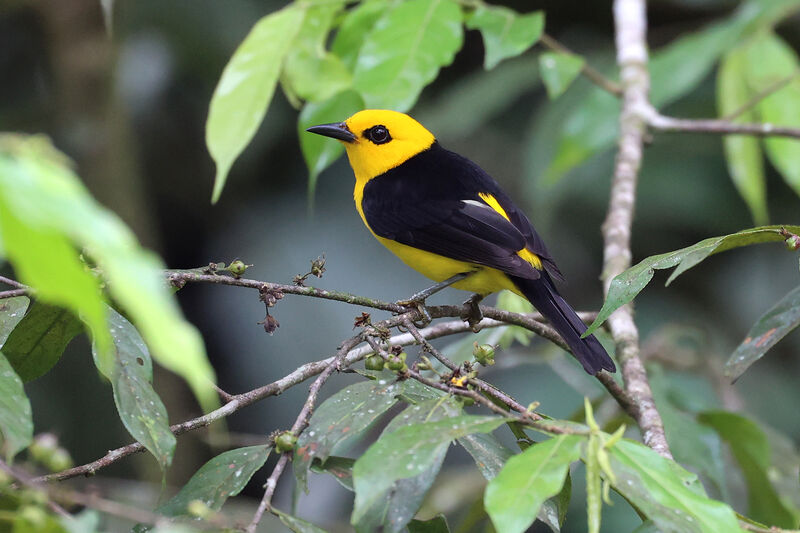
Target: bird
[(447, 218)]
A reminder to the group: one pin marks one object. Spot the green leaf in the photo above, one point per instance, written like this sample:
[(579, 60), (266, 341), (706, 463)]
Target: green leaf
[(50, 199), (742, 152), (751, 449), (45, 260), (771, 327), (488, 453), (141, 410), (318, 151), (769, 61), (628, 284), (246, 87), (407, 453), (666, 493), (514, 497), (298, 525), (311, 72), (220, 478), (392, 510), (558, 71), (354, 28), (588, 123), (437, 524), (12, 310), (38, 341), (692, 444), (342, 416), (405, 50), (340, 468), (16, 420), (505, 32)]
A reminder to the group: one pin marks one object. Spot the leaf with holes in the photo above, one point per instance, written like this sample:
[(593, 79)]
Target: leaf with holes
[(505, 32), (628, 284), (141, 410)]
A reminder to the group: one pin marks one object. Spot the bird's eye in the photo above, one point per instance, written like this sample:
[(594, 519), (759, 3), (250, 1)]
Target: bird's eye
[(378, 134)]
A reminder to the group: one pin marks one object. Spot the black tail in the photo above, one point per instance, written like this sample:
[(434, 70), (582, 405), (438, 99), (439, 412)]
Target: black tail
[(544, 296)]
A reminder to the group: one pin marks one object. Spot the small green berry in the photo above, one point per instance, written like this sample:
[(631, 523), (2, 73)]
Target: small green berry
[(793, 243), (285, 442), (484, 354), (396, 363), (60, 460), (374, 362), (237, 268)]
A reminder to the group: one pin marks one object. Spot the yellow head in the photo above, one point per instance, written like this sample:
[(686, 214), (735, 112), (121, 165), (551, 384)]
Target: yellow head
[(377, 140)]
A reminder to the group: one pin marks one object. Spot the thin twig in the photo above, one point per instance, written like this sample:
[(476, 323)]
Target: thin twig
[(14, 283), (631, 27), (13, 293), (757, 98), (178, 278), (716, 126), (591, 73), (300, 424), (494, 318), (71, 497)]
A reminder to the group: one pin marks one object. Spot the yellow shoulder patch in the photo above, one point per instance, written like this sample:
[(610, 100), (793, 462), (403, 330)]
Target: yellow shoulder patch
[(525, 254)]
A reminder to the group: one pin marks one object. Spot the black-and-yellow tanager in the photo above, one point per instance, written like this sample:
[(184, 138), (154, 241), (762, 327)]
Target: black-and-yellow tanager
[(443, 216)]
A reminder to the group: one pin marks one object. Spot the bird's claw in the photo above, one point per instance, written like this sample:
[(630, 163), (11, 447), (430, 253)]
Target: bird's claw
[(419, 306), (472, 314)]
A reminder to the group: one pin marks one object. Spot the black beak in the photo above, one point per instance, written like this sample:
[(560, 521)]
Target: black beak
[(336, 130)]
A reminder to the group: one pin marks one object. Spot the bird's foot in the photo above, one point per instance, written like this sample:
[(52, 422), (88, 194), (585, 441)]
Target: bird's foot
[(417, 304), (472, 314)]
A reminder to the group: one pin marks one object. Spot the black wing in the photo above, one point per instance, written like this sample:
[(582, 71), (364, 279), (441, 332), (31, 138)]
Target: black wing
[(432, 202)]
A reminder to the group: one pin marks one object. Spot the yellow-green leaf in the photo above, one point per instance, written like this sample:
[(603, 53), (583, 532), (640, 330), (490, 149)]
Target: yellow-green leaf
[(742, 152), (246, 87)]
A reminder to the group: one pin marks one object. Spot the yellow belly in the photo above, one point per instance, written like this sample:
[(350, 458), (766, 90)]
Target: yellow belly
[(485, 280)]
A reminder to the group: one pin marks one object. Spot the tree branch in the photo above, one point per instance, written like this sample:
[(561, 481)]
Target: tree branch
[(716, 126), (631, 27), (300, 424)]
